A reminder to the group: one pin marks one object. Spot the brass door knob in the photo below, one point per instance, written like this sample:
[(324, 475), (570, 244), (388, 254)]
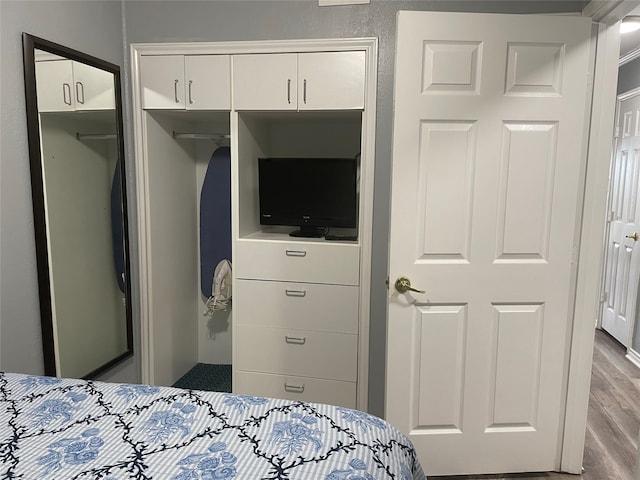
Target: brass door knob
[(403, 285), (634, 236)]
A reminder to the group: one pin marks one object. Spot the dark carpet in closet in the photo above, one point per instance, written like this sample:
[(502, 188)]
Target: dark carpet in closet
[(213, 378)]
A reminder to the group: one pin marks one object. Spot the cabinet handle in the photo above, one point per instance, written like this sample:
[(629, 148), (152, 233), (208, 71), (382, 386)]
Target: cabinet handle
[(66, 93), (80, 92), (175, 90), (190, 99), (295, 293), (289, 90), (296, 253), (304, 91), (295, 340), (288, 387)]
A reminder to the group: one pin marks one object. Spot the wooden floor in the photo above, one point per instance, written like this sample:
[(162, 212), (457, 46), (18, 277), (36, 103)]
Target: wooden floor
[(612, 423)]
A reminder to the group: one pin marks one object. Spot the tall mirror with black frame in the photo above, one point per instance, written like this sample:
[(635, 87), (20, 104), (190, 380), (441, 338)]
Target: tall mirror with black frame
[(76, 150)]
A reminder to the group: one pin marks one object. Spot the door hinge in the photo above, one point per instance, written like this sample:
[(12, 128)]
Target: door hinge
[(617, 132), (610, 215), (603, 297)]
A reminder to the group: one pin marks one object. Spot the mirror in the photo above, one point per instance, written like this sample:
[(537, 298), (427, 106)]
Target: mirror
[(76, 151)]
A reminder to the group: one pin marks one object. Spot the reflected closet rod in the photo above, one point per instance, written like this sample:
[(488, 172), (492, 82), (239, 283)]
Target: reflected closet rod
[(95, 136), (218, 137)]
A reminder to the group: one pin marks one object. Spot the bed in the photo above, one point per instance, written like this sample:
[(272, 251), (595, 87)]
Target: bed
[(64, 429)]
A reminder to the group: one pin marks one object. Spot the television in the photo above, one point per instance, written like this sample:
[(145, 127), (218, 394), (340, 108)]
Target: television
[(313, 194)]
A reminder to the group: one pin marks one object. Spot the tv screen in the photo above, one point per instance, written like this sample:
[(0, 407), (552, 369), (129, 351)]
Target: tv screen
[(311, 193)]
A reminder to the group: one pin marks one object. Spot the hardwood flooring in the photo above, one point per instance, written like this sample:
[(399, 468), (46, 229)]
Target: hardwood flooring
[(613, 420)]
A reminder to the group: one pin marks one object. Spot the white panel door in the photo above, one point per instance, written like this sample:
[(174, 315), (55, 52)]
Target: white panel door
[(622, 267), (487, 160)]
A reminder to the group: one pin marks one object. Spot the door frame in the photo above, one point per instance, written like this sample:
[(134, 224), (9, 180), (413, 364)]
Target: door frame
[(607, 230), (590, 236)]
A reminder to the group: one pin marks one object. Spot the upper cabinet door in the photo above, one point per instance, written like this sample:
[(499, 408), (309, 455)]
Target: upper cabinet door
[(162, 79), (56, 93), (93, 88), (191, 82), (208, 82), (66, 85), (331, 80), (265, 82)]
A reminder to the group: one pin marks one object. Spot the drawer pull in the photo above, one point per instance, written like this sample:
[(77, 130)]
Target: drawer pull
[(293, 388), (295, 293), (296, 253), (295, 340)]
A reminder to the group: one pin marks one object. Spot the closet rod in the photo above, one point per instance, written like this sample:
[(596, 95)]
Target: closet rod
[(95, 136), (202, 136)]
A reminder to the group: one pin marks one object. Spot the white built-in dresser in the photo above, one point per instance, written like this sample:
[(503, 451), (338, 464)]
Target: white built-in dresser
[(300, 308)]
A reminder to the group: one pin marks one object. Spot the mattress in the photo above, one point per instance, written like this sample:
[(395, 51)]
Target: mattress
[(56, 428)]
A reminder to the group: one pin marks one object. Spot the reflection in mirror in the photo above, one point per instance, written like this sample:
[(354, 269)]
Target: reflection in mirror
[(77, 162)]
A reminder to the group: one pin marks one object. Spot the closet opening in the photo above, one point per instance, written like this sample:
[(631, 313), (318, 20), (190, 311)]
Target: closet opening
[(188, 175)]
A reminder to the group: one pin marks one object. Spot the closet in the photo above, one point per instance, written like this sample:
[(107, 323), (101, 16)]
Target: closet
[(298, 325)]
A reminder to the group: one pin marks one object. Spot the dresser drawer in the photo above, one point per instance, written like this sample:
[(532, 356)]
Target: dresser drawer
[(304, 353), (314, 262), (303, 389), (307, 306)]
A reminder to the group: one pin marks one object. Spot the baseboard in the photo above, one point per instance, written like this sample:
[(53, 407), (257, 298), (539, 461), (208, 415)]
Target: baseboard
[(633, 357)]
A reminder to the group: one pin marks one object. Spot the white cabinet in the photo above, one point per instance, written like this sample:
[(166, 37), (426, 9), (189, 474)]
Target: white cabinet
[(66, 86), (318, 262), (185, 82), (290, 337), (331, 80), (304, 81), (265, 82), (298, 326)]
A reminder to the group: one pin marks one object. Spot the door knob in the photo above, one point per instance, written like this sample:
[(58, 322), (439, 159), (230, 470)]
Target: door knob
[(403, 285), (634, 236)]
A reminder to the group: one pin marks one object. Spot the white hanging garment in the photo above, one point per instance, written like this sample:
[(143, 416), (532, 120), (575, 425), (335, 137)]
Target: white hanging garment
[(220, 298)]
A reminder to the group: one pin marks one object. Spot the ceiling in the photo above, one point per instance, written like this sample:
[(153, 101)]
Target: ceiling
[(630, 41)]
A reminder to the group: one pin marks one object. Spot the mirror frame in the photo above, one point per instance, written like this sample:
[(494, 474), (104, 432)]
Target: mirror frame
[(29, 44)]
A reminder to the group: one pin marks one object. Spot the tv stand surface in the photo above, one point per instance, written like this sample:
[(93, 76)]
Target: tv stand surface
[(309, 232)]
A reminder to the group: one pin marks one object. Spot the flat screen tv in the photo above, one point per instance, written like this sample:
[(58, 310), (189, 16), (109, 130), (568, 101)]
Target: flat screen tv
[(314, 194)]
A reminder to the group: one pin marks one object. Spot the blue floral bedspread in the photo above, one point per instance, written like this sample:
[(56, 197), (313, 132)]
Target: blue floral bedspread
[(64, 429)]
